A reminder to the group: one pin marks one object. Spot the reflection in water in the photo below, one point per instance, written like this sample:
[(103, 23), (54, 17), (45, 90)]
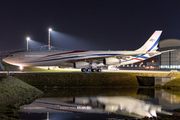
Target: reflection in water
[(156, 101), (166, 100), (121, 105)]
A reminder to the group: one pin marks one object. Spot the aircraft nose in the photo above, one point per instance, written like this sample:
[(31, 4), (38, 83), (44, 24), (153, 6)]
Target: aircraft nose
[(5, 59)]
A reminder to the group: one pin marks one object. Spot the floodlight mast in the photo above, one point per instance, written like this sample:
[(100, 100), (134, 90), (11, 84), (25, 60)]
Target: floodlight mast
[(49, 39), (28, 38)]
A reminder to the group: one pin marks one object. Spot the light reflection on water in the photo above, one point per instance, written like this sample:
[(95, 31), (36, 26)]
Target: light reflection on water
[(99, 103)]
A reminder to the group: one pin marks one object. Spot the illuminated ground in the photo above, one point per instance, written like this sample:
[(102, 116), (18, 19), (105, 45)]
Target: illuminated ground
[(78, 70)]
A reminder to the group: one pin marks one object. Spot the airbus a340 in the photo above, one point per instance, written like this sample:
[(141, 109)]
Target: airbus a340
[(86, 60)]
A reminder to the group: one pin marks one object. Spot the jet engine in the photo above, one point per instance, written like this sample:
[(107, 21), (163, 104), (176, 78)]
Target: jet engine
[(111, 61), (81, 100), (111, 108), (81, 64)]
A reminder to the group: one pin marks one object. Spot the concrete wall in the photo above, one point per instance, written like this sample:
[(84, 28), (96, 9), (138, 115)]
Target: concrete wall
[(153, 81)]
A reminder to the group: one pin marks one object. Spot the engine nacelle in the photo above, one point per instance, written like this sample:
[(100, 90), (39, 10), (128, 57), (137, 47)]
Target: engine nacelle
[(81, 64), (111, 61), (81, 100), (111, 108)]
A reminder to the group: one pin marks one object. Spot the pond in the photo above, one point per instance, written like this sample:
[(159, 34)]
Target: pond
[(101, 103)]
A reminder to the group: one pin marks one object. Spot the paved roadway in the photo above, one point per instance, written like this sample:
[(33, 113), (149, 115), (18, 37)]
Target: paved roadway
[(140, 71), (113, 71)]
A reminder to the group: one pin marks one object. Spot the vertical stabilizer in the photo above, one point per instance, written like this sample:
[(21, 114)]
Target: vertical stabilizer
[(151, 43)]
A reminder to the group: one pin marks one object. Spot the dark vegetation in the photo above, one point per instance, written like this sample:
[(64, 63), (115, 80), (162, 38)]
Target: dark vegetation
[(13, 94), (79, 79)]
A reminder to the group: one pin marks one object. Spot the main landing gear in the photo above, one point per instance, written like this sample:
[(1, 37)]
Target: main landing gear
[(90, 70)]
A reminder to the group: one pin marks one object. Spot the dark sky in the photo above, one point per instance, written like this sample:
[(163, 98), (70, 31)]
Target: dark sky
[(87, 24)]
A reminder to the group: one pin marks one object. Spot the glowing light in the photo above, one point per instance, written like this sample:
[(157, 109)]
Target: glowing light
[(28, 38), (50, 29), (21, 68)]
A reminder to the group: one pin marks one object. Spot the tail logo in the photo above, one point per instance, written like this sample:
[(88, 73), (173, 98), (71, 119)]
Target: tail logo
[(152, 40)]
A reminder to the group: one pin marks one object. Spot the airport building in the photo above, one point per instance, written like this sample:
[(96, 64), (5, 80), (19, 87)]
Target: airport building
[(170, 59)]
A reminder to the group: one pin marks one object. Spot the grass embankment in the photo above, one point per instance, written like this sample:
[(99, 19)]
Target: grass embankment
[(13, 94), (79, 79), (175, 83), (95, 79)]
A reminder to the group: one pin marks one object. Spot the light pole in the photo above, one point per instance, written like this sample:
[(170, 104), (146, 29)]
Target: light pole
[(49, 39), (28, 38)]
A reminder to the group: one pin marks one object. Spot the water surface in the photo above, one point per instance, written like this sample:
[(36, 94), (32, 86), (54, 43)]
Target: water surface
[(100, 103)]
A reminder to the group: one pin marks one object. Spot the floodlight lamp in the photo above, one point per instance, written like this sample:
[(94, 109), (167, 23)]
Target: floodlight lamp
[(50, 29), (28, 38)]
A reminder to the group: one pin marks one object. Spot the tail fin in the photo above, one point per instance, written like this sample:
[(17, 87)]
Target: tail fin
[(151, 43)]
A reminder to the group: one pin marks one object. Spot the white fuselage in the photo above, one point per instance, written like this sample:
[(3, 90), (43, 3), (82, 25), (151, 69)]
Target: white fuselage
[(65, 58)]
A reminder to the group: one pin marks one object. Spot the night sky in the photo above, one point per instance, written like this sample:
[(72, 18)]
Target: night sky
[(87, 24)]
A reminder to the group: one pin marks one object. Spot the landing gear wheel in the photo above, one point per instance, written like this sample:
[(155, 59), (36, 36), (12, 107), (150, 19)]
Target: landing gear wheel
[(88, 70), (93, 70), (98, 70), (83, 70)]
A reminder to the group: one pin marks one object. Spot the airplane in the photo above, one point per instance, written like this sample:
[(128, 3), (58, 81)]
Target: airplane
[(87, 61), (120, 105)]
